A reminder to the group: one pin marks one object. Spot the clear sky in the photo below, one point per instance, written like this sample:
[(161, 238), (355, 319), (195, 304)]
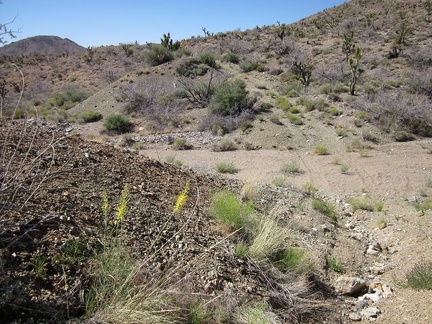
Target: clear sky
[(109, 22)]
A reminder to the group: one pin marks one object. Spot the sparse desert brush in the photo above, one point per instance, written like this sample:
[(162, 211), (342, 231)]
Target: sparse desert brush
[(249, 192), (334, 264), (321, 150), (291, 168), (224, 145), (295, 119), (310, 189), (255, 313), (181, 143), (268, 239), (365, 203), (226, 167), (283, 103), (89, 116)]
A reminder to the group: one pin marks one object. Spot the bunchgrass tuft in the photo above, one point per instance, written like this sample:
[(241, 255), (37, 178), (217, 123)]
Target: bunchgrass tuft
[(291, 168), (325, 208), (226, 167), (420, 276), (233, 213)]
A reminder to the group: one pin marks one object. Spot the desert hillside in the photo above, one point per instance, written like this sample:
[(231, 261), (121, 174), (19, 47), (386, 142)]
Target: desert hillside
[(280, 174)]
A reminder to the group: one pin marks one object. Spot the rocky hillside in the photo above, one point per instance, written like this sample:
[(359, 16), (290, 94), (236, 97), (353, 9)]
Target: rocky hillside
[(330, 144), (42, 45)]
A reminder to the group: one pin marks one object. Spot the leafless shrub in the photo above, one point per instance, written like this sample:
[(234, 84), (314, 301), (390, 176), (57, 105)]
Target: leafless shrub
[(152, 101), (421, 81), (401, 111), (420, 57), (220, 125), (336, 71)]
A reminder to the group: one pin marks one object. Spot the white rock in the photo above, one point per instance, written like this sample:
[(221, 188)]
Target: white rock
[(370, 312), (349, 285)]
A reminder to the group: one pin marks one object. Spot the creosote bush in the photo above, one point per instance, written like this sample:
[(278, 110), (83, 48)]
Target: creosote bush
[(89, 116), (117, 123)]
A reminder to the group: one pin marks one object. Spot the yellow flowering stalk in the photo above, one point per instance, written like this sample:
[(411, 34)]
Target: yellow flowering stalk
[(122, 206), (105, 204), (181, 199)]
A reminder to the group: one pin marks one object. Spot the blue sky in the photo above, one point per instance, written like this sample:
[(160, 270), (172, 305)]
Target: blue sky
[(108, 22)]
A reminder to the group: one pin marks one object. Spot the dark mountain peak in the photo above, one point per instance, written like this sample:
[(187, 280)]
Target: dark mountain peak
[(46, 45)]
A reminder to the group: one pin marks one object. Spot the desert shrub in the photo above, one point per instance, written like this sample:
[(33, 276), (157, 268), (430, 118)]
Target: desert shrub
[(158, 55), (268, 239), (191, 67), (294, 259), (334, 264), (67, 99), (324, 208), (223, 146), (220, 125), (231, 98), (424, 205), (208, 59), (252, 66), (117, 123), (255, 313), (226, 167), (321, 150), (290, 168), (365, 203), (283, 103), (89, 116), (420, 276), (227, 208), (294, 119), (181, 143), (231, 57)]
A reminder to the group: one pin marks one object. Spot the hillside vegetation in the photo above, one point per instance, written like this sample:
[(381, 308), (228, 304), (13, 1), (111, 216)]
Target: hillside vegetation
[(274, 175)]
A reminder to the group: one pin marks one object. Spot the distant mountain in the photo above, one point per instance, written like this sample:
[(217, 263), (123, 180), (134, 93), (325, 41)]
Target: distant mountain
[(46, 45)]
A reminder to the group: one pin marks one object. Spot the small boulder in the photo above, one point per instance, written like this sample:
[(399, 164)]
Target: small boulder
[(350, 286)]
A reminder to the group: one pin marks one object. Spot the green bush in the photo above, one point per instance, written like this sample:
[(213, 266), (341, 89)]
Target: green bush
[(117, 123), (223, 146), (231, 57), (230, 99), (420, 277), (226, 167), (283, 103), (294, 259), (89, 116), (208, 59), (158, 55), (181, 144), (67, 99), (295, 119), (291, 168), (230, 211), (325, 208), (191, 67), (252, 66)]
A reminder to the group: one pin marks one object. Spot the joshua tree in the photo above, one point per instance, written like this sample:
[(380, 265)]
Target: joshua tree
[(354, 63)]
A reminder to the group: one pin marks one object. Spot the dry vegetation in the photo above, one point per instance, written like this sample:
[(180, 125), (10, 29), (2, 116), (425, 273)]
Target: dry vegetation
[(91, 233)]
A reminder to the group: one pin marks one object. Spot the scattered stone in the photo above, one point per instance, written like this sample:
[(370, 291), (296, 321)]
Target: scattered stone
[(350, 286), (361, 304), (356, 317), (370, 312), (377, 269)]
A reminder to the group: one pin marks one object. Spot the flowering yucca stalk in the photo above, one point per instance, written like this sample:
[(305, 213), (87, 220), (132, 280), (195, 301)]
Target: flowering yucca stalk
[(181, 199), (122, 206), (105, 204)]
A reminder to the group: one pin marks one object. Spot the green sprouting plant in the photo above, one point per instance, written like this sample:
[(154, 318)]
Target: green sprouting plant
[(334, 264), (344, 168), (294, 119), (420, 276), (122, 205), (294, 259), (198, 313), (226, 167), (325, 208), (227, 208), (182, 197), (39, 266), (283, 103), (240, 250), (89, 116)]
